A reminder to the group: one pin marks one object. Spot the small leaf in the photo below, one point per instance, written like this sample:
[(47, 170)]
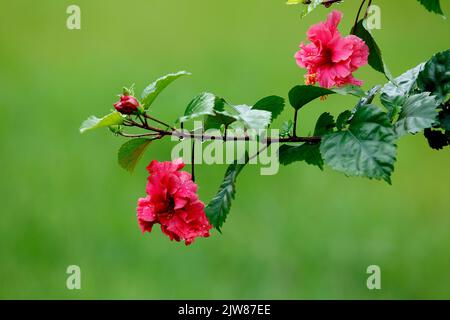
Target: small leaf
[(343, 119), (152, 91), (375, 57), (201, 105), (325, 124), (273, 104), (286, 128), (114, 118), (432, 6), (131, 152), (218, 208), (418, 112), (367, 148), (253, 119), (435, 77), (394, 93), (301, 95), (356, 91), (218, 119), (313, 5)]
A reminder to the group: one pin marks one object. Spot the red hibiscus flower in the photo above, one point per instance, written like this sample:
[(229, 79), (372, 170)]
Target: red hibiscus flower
[(330, 58), (172, 202)]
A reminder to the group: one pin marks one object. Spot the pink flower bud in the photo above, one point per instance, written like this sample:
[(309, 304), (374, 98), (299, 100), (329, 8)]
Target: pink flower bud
[(127, 104)]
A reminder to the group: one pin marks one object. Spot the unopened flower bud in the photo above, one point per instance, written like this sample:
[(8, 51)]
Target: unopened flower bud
[(127, 104)]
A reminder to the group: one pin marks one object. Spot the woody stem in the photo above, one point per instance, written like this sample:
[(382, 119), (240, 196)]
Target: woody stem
[(159, 134), (367, 9), (295, 123), (193, 160), (359, 12), (158, 121)]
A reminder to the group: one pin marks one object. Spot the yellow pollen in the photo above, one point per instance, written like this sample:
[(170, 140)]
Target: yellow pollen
[(310, 79)]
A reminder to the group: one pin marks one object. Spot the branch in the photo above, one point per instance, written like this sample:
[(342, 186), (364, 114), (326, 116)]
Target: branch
[(193, 161), (183, 134), (158, 121), (294, 130), (326, 3), (359, 12)]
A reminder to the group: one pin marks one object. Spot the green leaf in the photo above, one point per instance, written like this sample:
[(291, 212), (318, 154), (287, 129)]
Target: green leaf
[(308, 152), (343, 119), (116, 129), (311, 6), (273, 104), (152, 91), (286, 128), (218, 208), (418, 113), (356, 91), (253, 119), (114, 118), (305, 152), (367, 148), (325, 124), (131, 152), (218, 119), (432, 6), (201, 105), (375, 57), (394, 93), (435, 77), (301, 95)]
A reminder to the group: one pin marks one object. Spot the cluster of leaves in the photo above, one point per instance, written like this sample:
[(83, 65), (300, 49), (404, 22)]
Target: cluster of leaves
[(217, 113), (358, 142), (361, 141), (115, 119)]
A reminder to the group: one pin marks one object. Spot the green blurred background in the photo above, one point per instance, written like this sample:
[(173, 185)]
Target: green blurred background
[(301, 234)]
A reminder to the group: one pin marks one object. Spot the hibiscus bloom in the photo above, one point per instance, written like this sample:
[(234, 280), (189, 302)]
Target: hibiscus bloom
[(172, 202), (330, 58)]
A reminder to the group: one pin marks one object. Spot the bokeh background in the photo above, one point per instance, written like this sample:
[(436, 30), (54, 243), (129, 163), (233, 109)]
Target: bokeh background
[(301, 234)]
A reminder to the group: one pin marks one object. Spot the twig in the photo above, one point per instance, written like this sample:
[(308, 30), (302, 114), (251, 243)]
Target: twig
[(140, 135), (367, 9), (193, 160), (158, 121), (160, 133), (294, 131), (359, 12), (259, 151)]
